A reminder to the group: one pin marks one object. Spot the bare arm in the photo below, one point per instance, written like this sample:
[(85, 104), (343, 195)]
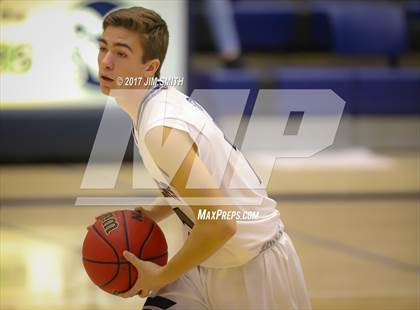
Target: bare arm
[(159, 211), (207, 236)]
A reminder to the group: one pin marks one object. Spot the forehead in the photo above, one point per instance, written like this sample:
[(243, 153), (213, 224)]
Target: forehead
[(114, 35)]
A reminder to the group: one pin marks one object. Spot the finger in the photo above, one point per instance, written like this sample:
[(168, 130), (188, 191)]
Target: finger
[(135, 290), (143, 211), (133, 259), (129, 294), (130, 257), (144, 293)]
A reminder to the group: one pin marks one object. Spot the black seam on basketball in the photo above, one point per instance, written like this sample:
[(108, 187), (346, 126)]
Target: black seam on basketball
[(127, 244), (116, 255), (155, 257), (145, 241), (102, 262)]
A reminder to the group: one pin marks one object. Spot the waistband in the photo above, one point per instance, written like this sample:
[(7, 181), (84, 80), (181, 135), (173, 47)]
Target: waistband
[(269, 243)]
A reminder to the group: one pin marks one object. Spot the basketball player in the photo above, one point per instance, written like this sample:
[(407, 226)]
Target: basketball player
[(228, 262)]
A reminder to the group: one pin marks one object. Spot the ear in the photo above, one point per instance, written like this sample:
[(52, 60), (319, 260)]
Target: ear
[(152, 66)]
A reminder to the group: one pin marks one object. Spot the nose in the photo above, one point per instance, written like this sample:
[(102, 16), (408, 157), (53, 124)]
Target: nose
[(107, 61)]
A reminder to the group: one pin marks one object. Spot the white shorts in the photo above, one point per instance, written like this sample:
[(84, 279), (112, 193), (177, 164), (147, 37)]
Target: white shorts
[(272, 280)]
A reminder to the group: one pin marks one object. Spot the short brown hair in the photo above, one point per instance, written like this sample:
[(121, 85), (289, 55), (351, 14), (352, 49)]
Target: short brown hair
[(154, 36)]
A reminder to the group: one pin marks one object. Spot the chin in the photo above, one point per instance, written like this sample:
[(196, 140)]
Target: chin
[(105, 90)]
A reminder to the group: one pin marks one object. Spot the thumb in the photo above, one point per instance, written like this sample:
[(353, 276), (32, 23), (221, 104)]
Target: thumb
[(130, 257), (133, 259)]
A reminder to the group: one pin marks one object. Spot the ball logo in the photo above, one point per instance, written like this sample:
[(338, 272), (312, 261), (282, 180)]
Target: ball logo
[(109, 222)]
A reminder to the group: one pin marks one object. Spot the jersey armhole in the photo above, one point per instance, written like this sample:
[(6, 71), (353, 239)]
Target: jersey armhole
[(170, 122), (177, 124)]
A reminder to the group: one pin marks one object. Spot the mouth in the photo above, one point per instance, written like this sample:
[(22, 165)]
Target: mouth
[(105, 78)]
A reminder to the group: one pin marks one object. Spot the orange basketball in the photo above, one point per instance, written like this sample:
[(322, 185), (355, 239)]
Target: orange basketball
[(109, 237)]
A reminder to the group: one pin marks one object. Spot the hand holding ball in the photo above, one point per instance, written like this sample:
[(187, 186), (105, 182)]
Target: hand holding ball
[(109, 237)]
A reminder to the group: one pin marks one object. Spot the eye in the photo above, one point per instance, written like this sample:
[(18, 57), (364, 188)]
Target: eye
[(102, 49), (122, 55)]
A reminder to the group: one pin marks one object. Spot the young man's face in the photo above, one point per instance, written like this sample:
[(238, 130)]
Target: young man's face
[(120, 57)]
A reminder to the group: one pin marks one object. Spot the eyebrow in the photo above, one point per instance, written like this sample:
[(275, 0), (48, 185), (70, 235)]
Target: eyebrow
[(117, 44)]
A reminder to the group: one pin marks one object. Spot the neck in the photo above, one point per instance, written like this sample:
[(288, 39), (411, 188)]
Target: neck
[(130, 100)]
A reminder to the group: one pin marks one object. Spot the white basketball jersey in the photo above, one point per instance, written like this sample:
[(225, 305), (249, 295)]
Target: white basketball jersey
[(166, 106)]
